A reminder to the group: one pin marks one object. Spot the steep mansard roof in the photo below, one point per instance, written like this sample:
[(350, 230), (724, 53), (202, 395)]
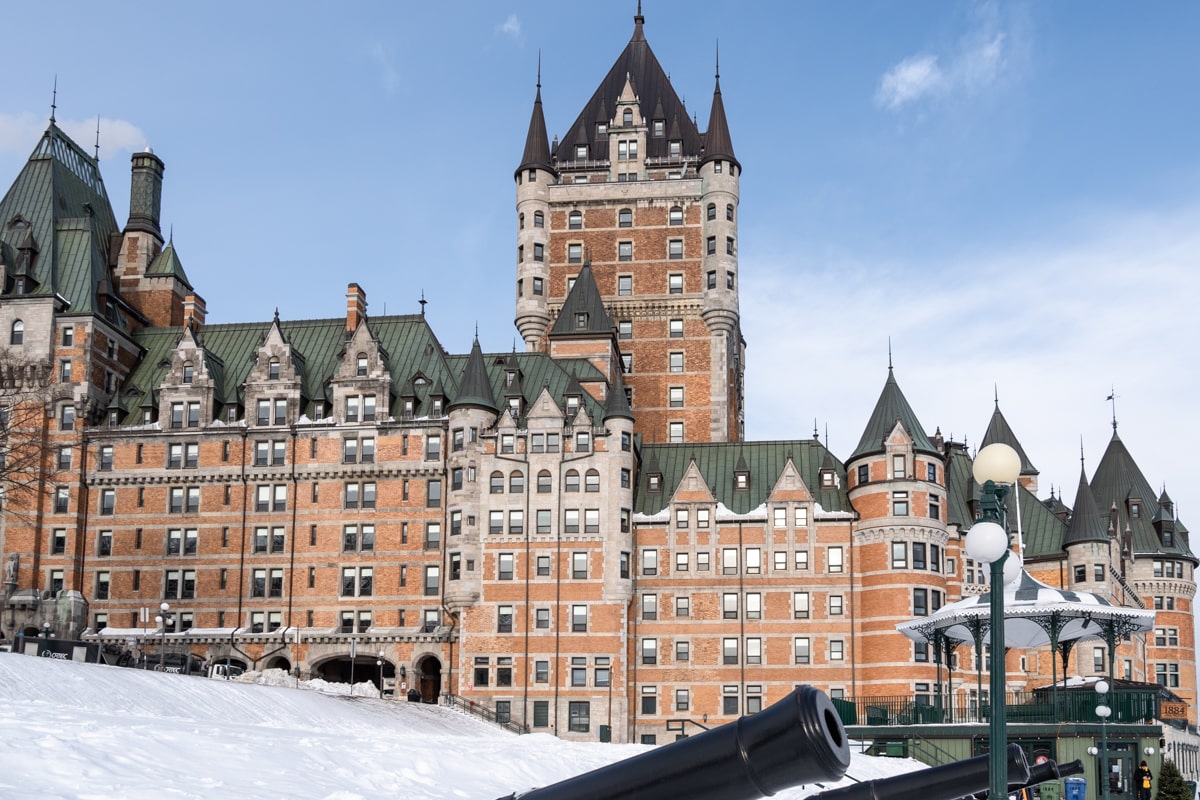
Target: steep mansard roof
[(998, 431), (1118, 481), (59, 205), (167, 264), (891, 408), (718, 462), (656, 96)]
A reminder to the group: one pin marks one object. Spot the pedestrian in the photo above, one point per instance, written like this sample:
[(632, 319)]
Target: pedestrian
[(1141, 780)]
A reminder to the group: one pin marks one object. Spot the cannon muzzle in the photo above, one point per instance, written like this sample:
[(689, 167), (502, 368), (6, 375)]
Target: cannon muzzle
[(947, 782), (798, 740)]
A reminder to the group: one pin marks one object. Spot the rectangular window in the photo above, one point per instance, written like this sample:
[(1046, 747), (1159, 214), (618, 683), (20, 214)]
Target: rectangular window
[(649, 562), (729, 650), (836, 650), (801, 559), (625, 251), (834, 559), (800, 605), (579, 716), (675, 362), (579, 619), (649, 651), (675, 252), (899, 504), (729, 561)]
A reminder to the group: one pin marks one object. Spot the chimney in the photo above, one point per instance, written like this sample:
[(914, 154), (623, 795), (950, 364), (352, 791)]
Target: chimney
[(194, 312), (356, 307), (145, 193)]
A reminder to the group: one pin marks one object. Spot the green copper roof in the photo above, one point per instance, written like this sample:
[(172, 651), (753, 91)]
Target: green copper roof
[(1118, 481), (998, 431), (891, 408), (58, 203), (167, 263), (718, 462)]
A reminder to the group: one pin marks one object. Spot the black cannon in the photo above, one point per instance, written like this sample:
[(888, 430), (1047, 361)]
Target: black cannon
[(947, 782), (798, 740)]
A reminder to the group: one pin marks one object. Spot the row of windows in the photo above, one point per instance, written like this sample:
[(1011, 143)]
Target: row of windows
[(747, 650), (899, 470), (350, 621), (625, 215), (919, 560), (748, 606), (570, 523), (753, 565), (571, 481)]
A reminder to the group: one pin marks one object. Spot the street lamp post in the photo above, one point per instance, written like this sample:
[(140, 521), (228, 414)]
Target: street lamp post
[(996, 467), (162, 621), (379, 663), (46, 635), (1103, 711)]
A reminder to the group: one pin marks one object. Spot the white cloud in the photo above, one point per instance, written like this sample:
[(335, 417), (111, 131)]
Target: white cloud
[(19, 133), (388, 74), (979, 59), (909, 80), (511, 27)]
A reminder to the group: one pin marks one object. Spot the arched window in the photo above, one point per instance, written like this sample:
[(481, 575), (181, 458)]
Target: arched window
[(729, 212), (625, 218), (676, 215), (18, 333), (712, 211), (273, 369), (571, 484), (189, 372), (360, 368), (591, 481), (516, 482), (539, 219), (543, 484), (521, 221), (627, 117), (497, 482), (575, 220)]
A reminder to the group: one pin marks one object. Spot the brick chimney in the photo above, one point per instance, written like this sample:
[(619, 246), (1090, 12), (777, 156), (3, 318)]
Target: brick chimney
[(145, 193), (194, 312), (356, 307)]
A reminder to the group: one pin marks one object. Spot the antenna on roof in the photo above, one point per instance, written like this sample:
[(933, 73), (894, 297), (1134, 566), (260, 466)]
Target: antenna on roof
[(54, 99), (423, 301), (1112, 398), (97, 138)]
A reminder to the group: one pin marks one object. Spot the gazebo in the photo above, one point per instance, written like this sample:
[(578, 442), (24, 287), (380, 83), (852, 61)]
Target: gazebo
[(1035, 615)]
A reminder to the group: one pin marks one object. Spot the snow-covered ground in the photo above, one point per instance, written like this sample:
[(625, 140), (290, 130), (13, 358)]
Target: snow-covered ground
[(71, 730)]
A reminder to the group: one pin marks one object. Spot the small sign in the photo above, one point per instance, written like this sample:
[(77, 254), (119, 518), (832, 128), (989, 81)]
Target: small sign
[(1173, 711)]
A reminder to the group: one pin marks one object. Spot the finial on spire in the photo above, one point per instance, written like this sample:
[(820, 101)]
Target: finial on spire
[(276, 315), (718, 59), (826, 435), (171, 236), (889, 354), (816, 434), (97, 138), (423, 301), (996, 395), (539, 81), (477, 331), (54, 99), (1112, 398), (1081, 451)]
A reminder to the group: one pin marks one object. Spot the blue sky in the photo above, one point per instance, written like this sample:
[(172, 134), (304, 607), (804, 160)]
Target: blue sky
[(1008, 191)]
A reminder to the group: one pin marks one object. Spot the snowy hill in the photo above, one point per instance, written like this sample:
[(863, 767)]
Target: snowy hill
[(71, 730)]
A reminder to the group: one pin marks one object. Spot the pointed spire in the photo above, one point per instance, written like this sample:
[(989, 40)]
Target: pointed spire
[(97, 139), (1112, 398), (475, 389), (718, 144), (537, 148), (638, 21), (54, 100), (583, 310), (1086, 523)]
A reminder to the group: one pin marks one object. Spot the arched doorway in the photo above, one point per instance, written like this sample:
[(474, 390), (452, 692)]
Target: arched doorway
[(429, 679), (279, 662)]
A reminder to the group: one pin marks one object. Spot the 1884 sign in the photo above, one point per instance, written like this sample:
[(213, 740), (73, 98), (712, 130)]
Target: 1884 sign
[(1174, 710)]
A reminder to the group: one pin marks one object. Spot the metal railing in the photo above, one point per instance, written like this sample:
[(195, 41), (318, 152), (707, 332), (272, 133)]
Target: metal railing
[(1128, 706), (486, 713)]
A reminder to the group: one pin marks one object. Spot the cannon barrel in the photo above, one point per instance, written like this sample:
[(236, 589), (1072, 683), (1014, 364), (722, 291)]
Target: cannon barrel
[(798, 740), (1040, 773), (947, 782)]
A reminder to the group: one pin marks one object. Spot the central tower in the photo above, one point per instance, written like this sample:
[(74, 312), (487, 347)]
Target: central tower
[(636, 190)]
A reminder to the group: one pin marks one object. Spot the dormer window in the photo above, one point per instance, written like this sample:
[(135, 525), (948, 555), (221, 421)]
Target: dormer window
[(188, 372), (1135, 510), (676, 148), (360, 368), (601, 129), (273, 369), (581, 322), (741, 481), (660, 127), (655, 483), (581, 152), (514, 406), (572, 404), (437, 407), (627, 117)]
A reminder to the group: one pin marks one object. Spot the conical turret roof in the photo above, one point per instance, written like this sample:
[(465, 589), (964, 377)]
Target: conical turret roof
[(537, 144), (892, 407), (475, 388), (717, 141), (617, 404), (1086, 523), (1118, 481), (998, 431), (167, 263)]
